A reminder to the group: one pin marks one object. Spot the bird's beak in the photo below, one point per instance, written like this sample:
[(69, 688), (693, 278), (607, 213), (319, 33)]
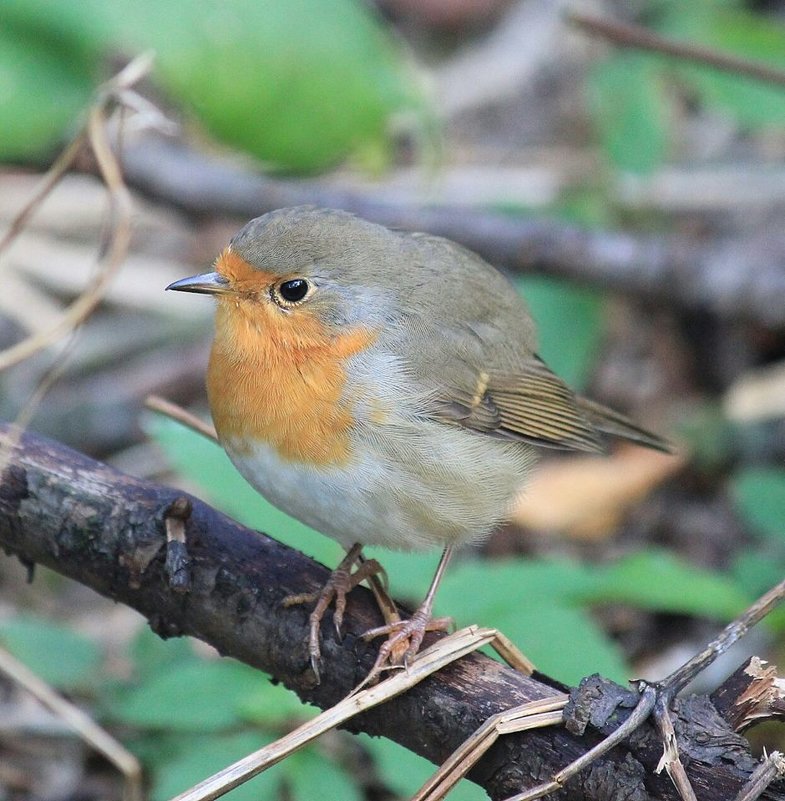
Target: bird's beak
[(205, 284)]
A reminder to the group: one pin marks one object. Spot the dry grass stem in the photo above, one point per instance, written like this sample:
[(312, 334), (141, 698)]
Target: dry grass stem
[(535, 714), (80, 722), (119, 230)]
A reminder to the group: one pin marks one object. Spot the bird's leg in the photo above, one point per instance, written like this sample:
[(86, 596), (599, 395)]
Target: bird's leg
[(340, 583), (404, 637)]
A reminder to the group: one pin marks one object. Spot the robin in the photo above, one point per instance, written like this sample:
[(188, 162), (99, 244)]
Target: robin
[(384, 388)]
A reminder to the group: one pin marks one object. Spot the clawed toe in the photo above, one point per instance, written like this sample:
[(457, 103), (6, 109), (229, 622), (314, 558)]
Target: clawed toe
[(340, 583), (404, 638)]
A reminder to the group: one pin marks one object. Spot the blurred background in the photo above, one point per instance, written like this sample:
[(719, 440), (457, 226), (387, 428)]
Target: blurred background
[(635, 197)]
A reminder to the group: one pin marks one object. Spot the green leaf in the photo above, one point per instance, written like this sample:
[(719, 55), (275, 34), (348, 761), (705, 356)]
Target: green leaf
[(630, 111), (272, 705), (300, 85), (200, 757), (569, 321), (196, 695), (207, 465), (759, 495), (61, 657), (511, 584), (738, 32), (757, 571), (404, 772), (32, 123), (659, 581), (563, 641), (530, 600), (312, 776), (151, 654), (75, 32)]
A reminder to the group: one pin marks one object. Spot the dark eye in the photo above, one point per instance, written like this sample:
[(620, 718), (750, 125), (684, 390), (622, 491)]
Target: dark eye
[(294, 290)]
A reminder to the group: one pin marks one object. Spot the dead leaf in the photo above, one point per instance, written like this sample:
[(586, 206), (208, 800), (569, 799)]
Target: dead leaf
[(585, 497)]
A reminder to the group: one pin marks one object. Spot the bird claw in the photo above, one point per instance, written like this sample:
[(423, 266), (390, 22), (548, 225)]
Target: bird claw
[(404, 638), (340, 583)]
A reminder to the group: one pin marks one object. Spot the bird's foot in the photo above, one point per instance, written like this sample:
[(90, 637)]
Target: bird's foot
[(404, 638), (340, 583)]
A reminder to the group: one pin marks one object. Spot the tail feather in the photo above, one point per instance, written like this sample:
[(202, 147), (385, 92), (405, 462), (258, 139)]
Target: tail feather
[(615, 424)]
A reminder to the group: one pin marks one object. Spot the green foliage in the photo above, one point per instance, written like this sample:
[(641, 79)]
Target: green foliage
[(29, 80), (194, 758), (659, 581), (58, 655), (630, 93), (759, 494), (311, 775), (759, 497), (758, 571), (531, 599), (569, 322), (630, 111), (167, 700), (404, 772), (194, 717), (299, 85)]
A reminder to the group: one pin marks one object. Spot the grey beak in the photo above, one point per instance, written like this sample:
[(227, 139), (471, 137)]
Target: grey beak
[(205, 284)]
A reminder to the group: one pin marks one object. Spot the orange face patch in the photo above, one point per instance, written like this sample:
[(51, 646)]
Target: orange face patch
[(241, 275), (279, 377)]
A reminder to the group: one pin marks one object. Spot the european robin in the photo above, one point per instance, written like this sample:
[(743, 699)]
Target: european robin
[(384, 388)]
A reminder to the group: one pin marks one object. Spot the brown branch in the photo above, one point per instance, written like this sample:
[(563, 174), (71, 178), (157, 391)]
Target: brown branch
[(640, 38), (752, 693), (108, 531), (732, 277)]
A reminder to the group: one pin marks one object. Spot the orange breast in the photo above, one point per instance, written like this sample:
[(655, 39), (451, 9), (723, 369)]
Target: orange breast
[(281, 379)]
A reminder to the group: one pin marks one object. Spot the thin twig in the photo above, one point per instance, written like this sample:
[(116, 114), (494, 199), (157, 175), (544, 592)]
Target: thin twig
[(46, 185), (634, 721), (733, 632), (626, 35), (671, 761), (77, 720), (176, 412), (119, 215), (772, 767)]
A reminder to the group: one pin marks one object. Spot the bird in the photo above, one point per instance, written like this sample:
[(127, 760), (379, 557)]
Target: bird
[(384, 388)]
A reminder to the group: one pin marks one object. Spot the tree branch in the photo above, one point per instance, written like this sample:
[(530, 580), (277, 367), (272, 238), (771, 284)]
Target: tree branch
[(641, 38), (107, 530), (734, 277)]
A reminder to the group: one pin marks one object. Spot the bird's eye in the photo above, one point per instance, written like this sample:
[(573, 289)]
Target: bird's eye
[(291, 292)]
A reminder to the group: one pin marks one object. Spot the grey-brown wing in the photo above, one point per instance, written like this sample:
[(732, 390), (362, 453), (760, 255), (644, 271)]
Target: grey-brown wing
[(531, 404), (477, 354)]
